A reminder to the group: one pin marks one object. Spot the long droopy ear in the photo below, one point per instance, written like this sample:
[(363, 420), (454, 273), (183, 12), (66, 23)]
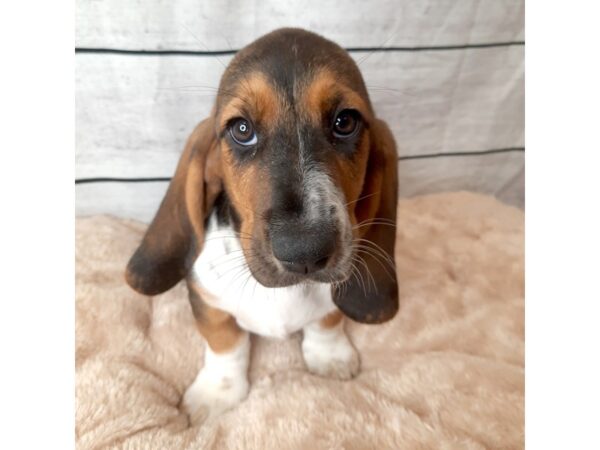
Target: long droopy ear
[(371, 296), (175, 236)]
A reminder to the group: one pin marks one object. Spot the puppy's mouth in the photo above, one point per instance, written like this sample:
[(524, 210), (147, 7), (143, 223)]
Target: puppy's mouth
[(271, 271), (271, 276)]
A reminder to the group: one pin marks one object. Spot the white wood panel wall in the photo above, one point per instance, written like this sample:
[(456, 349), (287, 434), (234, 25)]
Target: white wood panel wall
[(217, 25), (448, 80)]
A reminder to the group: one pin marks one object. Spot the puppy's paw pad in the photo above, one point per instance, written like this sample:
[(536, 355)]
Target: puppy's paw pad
[(337, 359), (211, 395)]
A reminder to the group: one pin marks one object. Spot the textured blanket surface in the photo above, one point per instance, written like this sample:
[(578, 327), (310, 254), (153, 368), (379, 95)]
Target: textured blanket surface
[(446, 372)]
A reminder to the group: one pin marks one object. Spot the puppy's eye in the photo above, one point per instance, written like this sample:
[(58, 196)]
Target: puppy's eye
[(346, 123), (242, 132)]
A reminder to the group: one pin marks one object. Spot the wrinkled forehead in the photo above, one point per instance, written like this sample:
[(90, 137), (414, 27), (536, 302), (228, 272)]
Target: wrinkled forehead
[(269, 79)]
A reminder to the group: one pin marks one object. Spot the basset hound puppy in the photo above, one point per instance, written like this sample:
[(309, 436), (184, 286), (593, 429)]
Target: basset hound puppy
[(281, 215)]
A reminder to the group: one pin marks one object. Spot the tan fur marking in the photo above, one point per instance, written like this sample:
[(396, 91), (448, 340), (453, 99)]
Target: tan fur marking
[(373, 185), (349, 174), (221, 331), (197, 199), (331, 319), (257, 100), (322, 88), (200, 293), (194, 198), (254, 96), (247, 186), (231, 110)]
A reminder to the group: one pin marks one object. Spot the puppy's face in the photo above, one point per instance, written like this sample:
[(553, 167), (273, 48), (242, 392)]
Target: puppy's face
[(308, 172), (293, 120)]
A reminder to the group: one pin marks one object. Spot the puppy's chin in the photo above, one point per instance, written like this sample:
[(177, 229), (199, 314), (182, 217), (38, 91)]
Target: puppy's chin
[(271, 276), (276, 278)]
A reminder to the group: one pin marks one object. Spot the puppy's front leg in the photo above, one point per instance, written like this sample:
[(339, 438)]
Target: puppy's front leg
[(327, 350), (223, 380)]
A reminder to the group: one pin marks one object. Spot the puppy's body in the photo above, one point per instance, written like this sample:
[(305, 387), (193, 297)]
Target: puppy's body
[(281, 215), (226, 283)]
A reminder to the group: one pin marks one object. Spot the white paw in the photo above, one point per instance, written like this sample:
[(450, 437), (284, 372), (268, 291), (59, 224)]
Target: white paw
[(331, 356), (213, 393), (221, 384)]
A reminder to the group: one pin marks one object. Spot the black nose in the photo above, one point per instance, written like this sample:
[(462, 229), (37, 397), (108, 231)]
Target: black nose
[(303, 249)]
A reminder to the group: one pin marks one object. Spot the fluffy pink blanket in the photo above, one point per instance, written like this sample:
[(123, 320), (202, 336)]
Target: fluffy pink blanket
[(447, 372)]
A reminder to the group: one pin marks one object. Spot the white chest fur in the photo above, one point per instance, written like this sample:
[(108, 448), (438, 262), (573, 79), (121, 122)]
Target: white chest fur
[(221, 270)]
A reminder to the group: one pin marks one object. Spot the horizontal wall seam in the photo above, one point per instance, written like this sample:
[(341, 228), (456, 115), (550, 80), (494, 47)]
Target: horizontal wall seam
[(401, 158), (426, 48)]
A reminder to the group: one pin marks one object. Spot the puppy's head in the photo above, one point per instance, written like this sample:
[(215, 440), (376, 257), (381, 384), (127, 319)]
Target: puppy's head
[(308, 172)]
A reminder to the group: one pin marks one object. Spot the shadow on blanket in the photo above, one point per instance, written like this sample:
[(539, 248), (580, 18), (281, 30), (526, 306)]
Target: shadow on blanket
[(447, 372)]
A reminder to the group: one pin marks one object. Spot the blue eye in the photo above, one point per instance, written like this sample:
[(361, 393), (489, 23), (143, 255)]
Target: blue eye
[(242, 132)]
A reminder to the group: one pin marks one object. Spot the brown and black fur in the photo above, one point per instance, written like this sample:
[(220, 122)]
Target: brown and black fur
[(291, 83)]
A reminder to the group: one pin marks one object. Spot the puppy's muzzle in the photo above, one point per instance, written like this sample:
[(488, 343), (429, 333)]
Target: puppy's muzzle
[(302, 248)]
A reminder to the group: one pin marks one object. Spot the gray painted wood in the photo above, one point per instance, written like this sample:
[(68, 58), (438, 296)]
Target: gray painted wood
[(500, 175), (202, 25), (132, 200)]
